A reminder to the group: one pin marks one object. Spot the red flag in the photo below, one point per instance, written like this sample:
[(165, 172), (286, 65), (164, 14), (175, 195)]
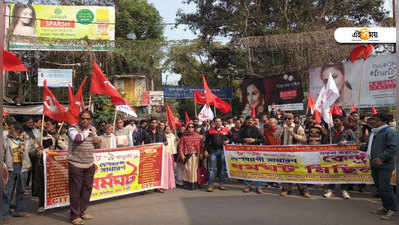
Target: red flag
[(199, 98), (357, 52), (102, 86), (209, 96), (253, 113), (223, 106), (170, 118), (51, 107), (373, 110), (178, 124), (336, 110), (311, 102), (76, 104), (11, 62), (367, 51), (187, 118), (5, 113), (353, 108), (317, 116)]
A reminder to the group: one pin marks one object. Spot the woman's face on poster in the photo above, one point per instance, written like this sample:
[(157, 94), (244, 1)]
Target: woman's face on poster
[(254, 96), (26, 16), (336, 74)]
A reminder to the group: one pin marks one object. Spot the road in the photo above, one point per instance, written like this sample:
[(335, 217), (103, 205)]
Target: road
[(230, 207)]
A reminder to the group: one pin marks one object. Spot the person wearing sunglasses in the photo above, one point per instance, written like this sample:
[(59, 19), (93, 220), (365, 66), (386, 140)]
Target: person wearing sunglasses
[(191, 148), (83, 140)]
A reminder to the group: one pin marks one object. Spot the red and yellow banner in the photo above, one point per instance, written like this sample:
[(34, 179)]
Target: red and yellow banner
[(118, 172), (312, 164)]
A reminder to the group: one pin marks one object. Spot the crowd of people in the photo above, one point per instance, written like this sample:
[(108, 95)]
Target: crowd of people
[(189, 148)]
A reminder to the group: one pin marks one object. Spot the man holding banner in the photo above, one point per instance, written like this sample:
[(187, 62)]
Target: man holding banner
[(81, 166)]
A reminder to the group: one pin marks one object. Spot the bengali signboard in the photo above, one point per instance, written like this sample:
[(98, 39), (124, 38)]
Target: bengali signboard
[(284, 90), (61, 27), (55, 77), (183, 92), (118, 172), (311, 164), (375, 78)]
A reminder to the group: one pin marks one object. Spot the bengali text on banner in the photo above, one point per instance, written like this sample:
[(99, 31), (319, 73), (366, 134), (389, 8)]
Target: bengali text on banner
[(117, 172), (313, 164)]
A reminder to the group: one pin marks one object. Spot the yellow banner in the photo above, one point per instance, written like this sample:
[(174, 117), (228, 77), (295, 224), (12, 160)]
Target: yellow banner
[(47, 27), (324, 164)]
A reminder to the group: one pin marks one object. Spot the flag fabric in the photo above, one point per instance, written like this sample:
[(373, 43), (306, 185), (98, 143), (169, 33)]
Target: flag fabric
[(170, 118), (205, 114), (51, 107), (357, 53), (5, 113), (317, 116), (336, 110), (187, 118), (11, 62), (327, 96), (353, 108), (102, 86), (199, 98), (253, 113), (209, 96), (76, 104), (367, 51), (373, 110), (311, 102)]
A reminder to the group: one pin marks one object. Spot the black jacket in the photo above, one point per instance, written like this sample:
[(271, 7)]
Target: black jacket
[(250, 132), (157, 137), (215, 139)]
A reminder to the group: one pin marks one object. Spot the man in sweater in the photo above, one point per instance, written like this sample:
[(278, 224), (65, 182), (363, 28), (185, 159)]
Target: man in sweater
[(215, 139), (84, 140)]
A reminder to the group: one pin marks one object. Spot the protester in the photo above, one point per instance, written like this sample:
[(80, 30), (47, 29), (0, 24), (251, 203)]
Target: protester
[(140, 134), (381, 149), (272, 132), (216, 138), (315, 133), (17, 147), (293, 134), (235, 131), (122, 134), (168, 167), (81, 166), (191, 149), (131, 126), (108, 139), (250, 135)]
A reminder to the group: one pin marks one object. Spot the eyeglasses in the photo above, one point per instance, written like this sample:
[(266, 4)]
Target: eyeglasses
[(190, 126), (85, 118)]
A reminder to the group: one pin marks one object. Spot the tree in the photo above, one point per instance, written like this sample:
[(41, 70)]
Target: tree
[(243, 18)]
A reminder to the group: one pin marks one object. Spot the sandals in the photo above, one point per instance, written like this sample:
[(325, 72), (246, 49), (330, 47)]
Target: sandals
[(78, 221)]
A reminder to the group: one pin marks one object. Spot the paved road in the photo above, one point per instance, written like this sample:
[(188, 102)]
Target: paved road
[(230, 207)]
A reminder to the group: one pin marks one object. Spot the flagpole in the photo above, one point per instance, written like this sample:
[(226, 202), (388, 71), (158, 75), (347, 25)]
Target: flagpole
[(90, 103), (214, 110), (329, 128), (116, 112), (59, 129), (361, 80), (195, 108), (41, 134)]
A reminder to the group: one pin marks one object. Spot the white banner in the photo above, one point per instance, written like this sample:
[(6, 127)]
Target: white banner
[(375, 78), (55, 77)]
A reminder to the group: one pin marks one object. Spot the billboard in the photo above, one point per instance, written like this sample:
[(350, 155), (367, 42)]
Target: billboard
[(284, 90), (182, 92), (372, 81), (60, 27), (55, 77)]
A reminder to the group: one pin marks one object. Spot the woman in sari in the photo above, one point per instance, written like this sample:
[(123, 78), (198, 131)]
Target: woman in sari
[(170, 151), (191, 148)]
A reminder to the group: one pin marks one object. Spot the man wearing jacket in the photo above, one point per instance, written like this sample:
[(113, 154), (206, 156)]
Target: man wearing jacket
[(381, 149), (216, 137), (250, 135)]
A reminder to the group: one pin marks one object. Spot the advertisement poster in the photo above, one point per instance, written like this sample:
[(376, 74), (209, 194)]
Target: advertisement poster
[(118, 172), (55, 77), (375, 77), (309, 164), (60, 27), (284, 90)]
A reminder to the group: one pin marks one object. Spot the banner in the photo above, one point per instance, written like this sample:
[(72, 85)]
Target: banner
[(377, 75), (54, 27), (55, 77), (309, 164), (284, 90), (182, 92), (118, 172)]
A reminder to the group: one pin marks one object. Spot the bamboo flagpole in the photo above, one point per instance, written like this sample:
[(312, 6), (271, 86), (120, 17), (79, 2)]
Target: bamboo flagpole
[(116, 112), (59, 129), (195, 109), (41, 134)]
